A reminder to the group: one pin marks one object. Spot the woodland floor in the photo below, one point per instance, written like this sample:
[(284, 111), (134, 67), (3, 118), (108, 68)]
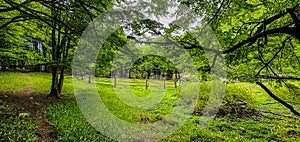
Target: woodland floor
[(32, 104)]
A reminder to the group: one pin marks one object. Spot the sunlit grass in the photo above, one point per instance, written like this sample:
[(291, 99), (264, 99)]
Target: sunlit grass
[(35, 82), (12, 82), (71, 125)]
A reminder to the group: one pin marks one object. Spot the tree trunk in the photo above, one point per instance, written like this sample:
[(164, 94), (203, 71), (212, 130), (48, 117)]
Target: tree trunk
[(175, 81), (61, 80), (134, 74), (164, 83), (169, 75), (129, 74), (121, 73), (3, 67), (54, 86), (89, 81), (115, 79), (12, 65), (159, 74), (148, 75)]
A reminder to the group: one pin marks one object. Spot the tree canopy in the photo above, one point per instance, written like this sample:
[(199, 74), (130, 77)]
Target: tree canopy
[(259, 39)]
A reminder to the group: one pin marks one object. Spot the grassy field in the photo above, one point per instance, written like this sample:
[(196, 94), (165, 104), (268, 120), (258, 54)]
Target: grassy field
[(259, 119)]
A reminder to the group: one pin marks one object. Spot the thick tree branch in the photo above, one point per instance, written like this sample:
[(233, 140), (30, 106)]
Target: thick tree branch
[(275, 17), (13, 20), (258, 34), (295, 19), (278, 99), (7, 9), (277, 77), (284, 30), (37, 14)]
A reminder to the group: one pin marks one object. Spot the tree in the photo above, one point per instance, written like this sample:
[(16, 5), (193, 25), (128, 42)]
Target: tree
[(259, 39), (66, 21), (18, 47)]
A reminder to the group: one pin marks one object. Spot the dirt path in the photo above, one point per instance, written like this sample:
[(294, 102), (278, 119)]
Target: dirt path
[(32, 104)]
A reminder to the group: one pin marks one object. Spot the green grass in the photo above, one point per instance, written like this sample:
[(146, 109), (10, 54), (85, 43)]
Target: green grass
[(71, 125), (131, 114), (36, 82), (15, 127), (261, 100), (12, 82)]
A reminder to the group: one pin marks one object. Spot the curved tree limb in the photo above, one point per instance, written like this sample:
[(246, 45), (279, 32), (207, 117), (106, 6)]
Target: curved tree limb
[(13, 20), (284, 30), (278, 99), (277, 77), (275, 17), (274, 56), (44, 17)]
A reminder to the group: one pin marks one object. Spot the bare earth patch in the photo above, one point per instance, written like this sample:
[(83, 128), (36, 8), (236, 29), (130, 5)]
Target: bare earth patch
[(32, 104)]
